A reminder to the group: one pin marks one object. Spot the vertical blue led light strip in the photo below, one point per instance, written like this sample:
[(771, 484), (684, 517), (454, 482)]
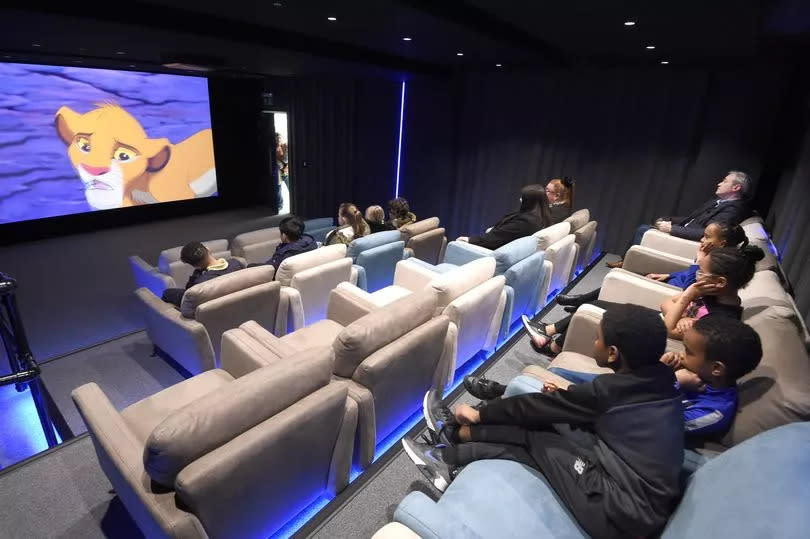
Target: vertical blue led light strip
[(399, 143)]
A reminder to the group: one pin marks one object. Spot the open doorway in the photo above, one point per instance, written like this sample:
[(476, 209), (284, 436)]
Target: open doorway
[(276, 122)]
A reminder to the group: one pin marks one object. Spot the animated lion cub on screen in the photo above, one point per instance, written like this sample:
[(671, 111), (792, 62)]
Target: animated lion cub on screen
[(120, 166)]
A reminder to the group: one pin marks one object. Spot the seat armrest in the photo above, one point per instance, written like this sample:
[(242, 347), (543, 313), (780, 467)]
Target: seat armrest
[(361, 280), (643, 260), (583, 330), (461, 252), (148, 276), (425, 518), (655, 239), (413, 276), (347, 303), (243, 353), (395, 530), (626, 287)]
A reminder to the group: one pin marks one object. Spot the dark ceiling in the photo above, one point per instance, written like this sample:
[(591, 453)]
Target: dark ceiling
[(296, 37)]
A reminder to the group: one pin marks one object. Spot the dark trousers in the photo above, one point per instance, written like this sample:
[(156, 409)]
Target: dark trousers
[(639, 234), (173, 296), (568, 468)]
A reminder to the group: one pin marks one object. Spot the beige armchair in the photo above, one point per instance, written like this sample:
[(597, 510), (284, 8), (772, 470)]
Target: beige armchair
[(218, 456), (191, 336), (257, 246), (306, 281), (469, 295), (643, 260), (425, 240), (390, 357), (561, 252)]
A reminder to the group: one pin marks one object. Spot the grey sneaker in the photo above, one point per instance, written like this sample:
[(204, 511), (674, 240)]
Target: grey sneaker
[(436, 415), (428, 460), (533, 328)]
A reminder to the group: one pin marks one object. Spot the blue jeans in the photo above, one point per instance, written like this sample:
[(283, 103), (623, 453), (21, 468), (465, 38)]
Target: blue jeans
[(574, 376), (640, 233)]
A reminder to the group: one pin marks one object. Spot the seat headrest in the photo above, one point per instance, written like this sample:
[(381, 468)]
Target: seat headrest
[(371, 241), (257, 236), (294, 264), (586, 231), (167, 256), (222, 286), (318, 222), (552, 234), (513, 252), (419, 227), (578, 219), (449, 286), (220, 416), (383, 326)]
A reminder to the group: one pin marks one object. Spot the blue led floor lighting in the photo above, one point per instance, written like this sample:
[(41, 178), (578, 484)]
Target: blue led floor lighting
[(399, 140)]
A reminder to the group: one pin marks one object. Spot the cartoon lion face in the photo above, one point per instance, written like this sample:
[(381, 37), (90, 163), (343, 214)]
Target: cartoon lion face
[(111, 153)]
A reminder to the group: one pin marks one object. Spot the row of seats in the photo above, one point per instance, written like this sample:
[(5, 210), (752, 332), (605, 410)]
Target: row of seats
[(299, 372), (500, 498)]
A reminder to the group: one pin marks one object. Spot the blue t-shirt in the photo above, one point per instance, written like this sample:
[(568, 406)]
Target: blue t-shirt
[(682, 279), (710, 411)]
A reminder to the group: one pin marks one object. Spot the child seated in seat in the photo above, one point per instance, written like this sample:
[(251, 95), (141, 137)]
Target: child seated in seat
[(375, 217), (206, 267), (293, 241), (717, 352), (612, 449)]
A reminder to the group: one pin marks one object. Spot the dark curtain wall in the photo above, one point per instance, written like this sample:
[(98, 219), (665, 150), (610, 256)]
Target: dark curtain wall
[(789, 221), (344, 142), (640, 144)]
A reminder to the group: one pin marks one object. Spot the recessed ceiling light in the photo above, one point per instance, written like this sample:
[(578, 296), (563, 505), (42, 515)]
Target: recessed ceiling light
[(35, 45), (629, 23), (459, 54), (650, 47), (120, 52), (664, 62), (333, 19), (407, 39), (498, 65)]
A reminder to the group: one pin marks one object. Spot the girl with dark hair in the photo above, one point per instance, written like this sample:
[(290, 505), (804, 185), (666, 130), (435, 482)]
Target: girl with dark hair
[(720, 274), (560, 193), (351, 225), (532, 216), (400, 213)]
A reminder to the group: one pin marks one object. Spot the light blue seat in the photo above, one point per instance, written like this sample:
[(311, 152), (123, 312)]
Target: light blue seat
[(318, 228), (518, 261), (756, 489), (375, 256)]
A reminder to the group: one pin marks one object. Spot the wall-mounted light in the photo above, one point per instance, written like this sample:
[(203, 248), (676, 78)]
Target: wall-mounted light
[(399, 140)]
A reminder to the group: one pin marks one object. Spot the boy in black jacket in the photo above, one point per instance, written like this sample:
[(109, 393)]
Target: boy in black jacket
[(612, 449), (206, 267)]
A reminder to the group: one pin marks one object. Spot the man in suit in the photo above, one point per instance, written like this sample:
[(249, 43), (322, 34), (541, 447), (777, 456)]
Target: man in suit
[(728, 207)]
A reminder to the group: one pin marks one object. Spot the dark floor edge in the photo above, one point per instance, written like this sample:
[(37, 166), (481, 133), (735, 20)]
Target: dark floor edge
[(42, 454), (325, 515)]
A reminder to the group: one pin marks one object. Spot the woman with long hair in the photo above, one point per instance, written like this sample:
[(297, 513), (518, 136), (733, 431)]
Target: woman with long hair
[(351, 225), (532, 216), (560, 193)]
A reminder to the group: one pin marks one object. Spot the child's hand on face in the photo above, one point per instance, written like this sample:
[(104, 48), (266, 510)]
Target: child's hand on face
[(689, 381), (467, 415), (672, 359)]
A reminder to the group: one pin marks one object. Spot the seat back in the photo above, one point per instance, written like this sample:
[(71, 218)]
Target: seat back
[(378, 254), (458, 281), (551, 234), (428, 246), (585, 238), (304, 261), (578, 219), (318, 228), (513, 252), (419, 227), (148, 276), (230, 300), (562, 255), (314, 285), (169, 260), (258, 246), (525, 278)]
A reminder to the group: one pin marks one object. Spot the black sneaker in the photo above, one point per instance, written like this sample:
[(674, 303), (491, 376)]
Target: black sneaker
[(436, 415), (483, 388), (533, 328), (428, 460)]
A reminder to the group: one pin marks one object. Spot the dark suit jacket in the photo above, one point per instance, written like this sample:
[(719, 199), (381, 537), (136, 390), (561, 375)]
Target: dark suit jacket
[(510, 228), (691, 227)]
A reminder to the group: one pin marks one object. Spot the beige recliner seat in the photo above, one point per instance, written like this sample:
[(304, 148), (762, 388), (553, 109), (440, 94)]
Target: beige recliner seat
[(390, 356), (306, 280), (561, 252), (469, 295), (191, 335), (257, 246), (584, 231), (425, 240), (219, 456), (171, 272)]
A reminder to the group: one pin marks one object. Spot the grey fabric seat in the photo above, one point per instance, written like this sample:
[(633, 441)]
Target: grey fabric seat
[(425, 240), (208, 457)]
